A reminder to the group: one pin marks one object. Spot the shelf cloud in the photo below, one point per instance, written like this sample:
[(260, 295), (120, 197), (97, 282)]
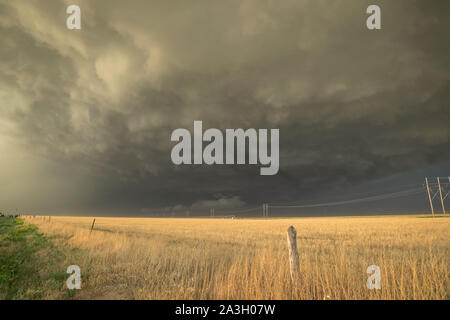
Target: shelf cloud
[(86, 115)]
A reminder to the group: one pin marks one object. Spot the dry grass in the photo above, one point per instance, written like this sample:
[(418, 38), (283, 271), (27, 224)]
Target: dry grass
[(156, 258)]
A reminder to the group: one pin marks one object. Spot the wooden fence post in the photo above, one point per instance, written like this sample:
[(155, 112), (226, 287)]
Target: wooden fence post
[(93, 222), (293, 253)]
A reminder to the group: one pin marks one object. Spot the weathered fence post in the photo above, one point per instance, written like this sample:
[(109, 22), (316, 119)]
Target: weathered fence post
[(293, 253), (93, 222)]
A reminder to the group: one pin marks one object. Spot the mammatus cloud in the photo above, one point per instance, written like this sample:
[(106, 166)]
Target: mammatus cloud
[(86, 116)]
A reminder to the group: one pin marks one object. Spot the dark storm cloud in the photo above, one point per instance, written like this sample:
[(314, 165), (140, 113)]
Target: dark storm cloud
[(86, 116)]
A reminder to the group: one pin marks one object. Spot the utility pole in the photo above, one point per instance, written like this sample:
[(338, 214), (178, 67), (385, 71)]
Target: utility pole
[(265, 209), (440, 193), (429, 196), (211, 212)]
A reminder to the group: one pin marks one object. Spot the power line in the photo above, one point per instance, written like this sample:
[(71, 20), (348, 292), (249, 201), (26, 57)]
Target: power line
[(241, 210), (358, 200)]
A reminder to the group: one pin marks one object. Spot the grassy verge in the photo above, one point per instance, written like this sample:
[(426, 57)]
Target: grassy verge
[(31, 266)]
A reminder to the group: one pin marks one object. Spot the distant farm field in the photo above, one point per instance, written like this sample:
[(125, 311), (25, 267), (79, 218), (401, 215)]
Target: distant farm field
[(156, 258)]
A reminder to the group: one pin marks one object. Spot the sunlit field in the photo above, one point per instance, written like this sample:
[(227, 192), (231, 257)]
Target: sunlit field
[(156, 258)]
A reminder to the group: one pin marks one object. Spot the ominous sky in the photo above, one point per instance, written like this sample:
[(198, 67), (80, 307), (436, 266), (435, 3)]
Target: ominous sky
[(86, 115)]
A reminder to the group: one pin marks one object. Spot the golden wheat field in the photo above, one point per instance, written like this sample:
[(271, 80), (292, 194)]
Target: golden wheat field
[(157, 258)]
